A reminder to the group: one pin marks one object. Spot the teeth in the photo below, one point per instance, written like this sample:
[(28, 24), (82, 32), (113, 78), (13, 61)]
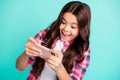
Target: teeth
[(65, 34)]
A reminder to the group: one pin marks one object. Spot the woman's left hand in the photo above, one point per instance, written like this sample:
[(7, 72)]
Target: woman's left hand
[(55, 61)]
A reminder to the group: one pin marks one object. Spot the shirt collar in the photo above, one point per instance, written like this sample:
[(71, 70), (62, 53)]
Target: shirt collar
[(67, 43)]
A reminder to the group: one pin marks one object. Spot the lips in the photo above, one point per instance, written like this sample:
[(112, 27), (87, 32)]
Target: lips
[(65, 35)]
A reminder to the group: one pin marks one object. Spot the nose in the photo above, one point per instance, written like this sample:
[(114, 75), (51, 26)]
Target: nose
[(67, 27)]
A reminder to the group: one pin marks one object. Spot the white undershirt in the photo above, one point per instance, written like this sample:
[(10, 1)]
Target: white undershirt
[(48, 73)]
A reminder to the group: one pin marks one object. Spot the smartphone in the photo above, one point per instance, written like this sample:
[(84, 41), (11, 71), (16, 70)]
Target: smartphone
[(46, 52)]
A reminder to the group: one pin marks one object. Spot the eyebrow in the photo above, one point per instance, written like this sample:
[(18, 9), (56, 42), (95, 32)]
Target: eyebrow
[(66, 20)]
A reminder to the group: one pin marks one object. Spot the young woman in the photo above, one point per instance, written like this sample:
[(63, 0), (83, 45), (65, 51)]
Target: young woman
[(68, 39)]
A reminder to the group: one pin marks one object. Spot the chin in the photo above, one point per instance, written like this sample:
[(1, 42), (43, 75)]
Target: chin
[(64, 40)]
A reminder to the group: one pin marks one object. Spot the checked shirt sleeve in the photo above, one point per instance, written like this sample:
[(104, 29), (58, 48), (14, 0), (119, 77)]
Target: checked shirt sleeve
[(80, 68), (39, 36)]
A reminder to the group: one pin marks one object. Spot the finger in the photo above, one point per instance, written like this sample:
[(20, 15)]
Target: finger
[(54, 59), (32, 47), (52, 62), (32, 40), (56, 52), (50, 65), (32, 52), (38, 41), (35, 42)]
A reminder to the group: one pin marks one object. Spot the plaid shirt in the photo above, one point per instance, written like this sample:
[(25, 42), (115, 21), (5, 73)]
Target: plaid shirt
[(78, 70)]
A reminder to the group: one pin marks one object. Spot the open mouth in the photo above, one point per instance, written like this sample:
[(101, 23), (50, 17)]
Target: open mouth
[(65, 35)]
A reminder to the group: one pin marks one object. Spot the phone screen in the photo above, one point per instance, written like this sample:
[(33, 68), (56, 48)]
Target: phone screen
[(46, 52)]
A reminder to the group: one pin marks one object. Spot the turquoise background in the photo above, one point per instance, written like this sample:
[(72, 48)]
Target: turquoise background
[(20, 19)]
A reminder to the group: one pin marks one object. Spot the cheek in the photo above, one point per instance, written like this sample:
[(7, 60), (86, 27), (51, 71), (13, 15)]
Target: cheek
[(75, 33), (60, 27)]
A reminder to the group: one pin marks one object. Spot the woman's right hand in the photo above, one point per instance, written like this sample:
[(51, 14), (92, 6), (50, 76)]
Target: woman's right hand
[(32, 47)]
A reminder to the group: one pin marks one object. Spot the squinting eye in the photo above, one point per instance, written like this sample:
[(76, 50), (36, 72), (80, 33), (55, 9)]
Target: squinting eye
[(63, 22), (73, 27)]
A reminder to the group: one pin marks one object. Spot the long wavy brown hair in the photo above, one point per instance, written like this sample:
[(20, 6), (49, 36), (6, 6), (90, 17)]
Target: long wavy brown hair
[(75, 52)]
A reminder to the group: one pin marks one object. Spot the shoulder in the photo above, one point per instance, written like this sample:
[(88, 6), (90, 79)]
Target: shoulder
[(41, 34), (87, 52)]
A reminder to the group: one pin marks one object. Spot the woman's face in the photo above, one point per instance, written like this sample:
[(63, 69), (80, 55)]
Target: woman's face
[(69, 27)]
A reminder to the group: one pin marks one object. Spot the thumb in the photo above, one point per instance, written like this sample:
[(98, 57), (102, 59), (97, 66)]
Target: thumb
[(38, 41)]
